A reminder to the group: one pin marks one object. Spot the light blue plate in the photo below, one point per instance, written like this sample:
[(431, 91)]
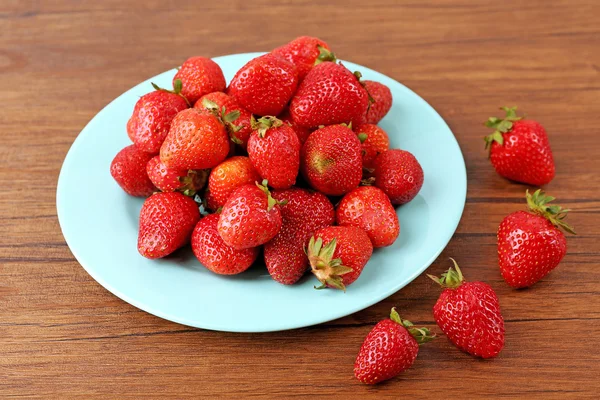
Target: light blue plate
[(99, 222)]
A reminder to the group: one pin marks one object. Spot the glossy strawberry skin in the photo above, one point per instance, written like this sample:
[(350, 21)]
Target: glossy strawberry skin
[(165, 179), (331, 160), (399, 175), (330, 94), (376, 142), (128, 169), (196, 140), (525, 155), (264, 85), (199, 76), (387, 350), (382, 104), (368, 208), (302, 52), (212, 252), (228, 176), (276, 156), (529, 247), (151, 119), (470, 317), (301, 132), (304, 213), (246, 221), (166, 223)]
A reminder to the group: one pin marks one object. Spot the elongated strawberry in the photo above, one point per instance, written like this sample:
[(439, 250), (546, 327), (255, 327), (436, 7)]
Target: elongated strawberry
[(520, 149), (530, 243), (250, 217), (264, 85), (368, 208), (390, 348), (382, 101), (330, 94), (301, 132), (228, 176), (338, 254), (305, 52), (235, 117), (166, 223), (303, 214), (199, 76), (197, 140), (331, 161), (399, 175), (128, 169), (187, 182), (469, 314), (374, 141), (212, 252), (274, 151)]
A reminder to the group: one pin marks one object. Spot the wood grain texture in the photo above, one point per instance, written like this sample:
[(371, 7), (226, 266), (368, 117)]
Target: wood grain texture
[(62, 335)]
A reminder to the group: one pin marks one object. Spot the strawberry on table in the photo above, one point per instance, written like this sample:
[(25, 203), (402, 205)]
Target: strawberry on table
[(469, 314), (520, 149), (187, 182), (128, 169), (305, 52), (530, 243), (199, 76), (235, 117), (228, 176), (374, 141), (399, 175), (382, 101), (390, 348)]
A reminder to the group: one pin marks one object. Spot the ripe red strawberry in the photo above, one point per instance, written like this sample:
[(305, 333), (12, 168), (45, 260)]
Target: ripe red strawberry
[(304, 213), (382, 101), (166, 223), (197, 140), (152, 115), (368, 208), (330, 94), (187, 182), (469, 314), (274, 151), (374, 141), (264, 85), (530, 244), (212, 252), (331, 161), (234, 116), (399, 175), (199, 76), (390, 348), (250, 217), (338, 254), (519, 149), (128, 168), (305, 52), (301, 132), (228, 176)]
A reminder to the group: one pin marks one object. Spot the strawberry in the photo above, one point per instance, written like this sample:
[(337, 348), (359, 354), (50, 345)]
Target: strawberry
[(330, 160), (330, 94), (215, 254), (166, 223), (301, 132), (399, 175), (469, 314), (199, 76), (382, 101), (152, 115), (250, 217), (128, 168), (228, 176), (274, 151), (519, 149), (374, 141), (368, 208), (197, 140), (264, 85), (338, 254), (234, 116), (305, 52), (304, 213), (390, 348), (168, 180), (530, 243)]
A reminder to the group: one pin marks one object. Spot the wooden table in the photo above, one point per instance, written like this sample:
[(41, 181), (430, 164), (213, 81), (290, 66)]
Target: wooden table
[(63, 335)]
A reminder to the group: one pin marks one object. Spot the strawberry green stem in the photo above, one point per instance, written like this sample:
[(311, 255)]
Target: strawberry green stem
[(421, 335), (538, 203), (271, 202), (324, 55), (500, 126), (327, 269), (263, 124), (177, 86), (450, 279)]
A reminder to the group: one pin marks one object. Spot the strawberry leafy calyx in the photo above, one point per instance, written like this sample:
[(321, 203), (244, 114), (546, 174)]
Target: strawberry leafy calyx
[(327, 269), (358, 76), (263, 124), (421, 335), (324, 55), (193, 181), (538, 204), (362, 137), (450, 279), (271, 202), (227, 118), (500, 126), (177, 86)]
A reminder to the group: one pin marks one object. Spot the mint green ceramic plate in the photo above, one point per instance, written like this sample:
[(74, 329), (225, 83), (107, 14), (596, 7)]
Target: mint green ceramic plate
[(99, 222)]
